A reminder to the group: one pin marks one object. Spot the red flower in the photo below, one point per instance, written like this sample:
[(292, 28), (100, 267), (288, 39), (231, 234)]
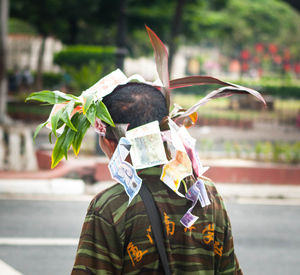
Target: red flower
[(259, 47), (272, 48), (245, 66), (287, 67), (245, 54), (286, 54), (277, 59), (256, 60), (297, 68)]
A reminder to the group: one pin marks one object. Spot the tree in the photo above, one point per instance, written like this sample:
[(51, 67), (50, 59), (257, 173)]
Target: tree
[(53, 17), (121, 34), (244, 23), (175, 29), (3, 48)]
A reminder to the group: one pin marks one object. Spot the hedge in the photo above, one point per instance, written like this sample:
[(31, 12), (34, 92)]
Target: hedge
[(80, 55)]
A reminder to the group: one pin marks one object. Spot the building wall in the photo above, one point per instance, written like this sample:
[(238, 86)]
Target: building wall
[(23, 52)]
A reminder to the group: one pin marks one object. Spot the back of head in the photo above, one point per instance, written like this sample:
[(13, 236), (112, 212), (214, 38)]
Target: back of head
[(136, 104)]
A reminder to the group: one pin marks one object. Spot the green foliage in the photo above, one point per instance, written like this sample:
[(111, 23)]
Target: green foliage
[(237, 149), (228, 148), (51, 97), (80, 55), (87, 75), (76, 114), (227, 22), (85, 64), (51, 80), (267, 150), (278, 152), (258, 150), (18, 26), (243, 23)]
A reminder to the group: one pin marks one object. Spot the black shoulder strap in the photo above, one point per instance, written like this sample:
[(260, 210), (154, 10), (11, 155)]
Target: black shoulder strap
[(156, 224)]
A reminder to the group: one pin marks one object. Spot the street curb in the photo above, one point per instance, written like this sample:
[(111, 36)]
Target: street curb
[(259, 191), (77, 187), (58, 186)]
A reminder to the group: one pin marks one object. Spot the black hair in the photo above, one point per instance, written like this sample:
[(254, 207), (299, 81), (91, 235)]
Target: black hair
[(136, 104)]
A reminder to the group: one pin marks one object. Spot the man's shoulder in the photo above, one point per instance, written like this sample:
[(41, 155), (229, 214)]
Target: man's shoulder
[(213, 192), (110, 200)]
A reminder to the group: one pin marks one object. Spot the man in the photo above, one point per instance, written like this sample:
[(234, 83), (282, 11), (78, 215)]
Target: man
[(117, 237)]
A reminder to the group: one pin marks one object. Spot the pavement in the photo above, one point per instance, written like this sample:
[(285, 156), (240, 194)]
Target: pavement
[(77, 189)]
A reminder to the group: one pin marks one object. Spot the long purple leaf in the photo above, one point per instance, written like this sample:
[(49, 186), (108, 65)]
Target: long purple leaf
[(161, 59), (222, 92), (197, 80)]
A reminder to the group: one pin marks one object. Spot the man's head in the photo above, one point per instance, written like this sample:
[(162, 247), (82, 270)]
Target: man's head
[(135, 104)]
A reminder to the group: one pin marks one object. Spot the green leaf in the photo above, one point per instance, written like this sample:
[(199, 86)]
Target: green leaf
[(103, 114), (60, 124), (52, 97), (63, 143), (83, 125), (91, 114), (50, 137), (65, 117), (88, 102), (38, 128), (55, 119)]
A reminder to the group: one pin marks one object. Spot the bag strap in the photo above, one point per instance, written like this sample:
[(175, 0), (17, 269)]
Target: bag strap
[(156, 224)]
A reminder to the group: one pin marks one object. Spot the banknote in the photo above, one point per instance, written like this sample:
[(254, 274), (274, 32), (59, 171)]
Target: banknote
[(106, 85), (176, 140), (122, 171), (203, 197), (197, 192), (147, 149), (180, 165), (190, 147), (176, 170), (188, 219)]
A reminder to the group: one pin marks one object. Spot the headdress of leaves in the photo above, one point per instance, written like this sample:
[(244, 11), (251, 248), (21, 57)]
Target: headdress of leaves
[(72, 116), (190, 116)]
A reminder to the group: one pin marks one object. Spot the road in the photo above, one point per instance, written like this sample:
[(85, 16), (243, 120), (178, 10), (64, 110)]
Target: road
[(40, 236)]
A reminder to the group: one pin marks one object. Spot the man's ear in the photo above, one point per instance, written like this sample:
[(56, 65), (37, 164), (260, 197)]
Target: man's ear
[(112, 144), (108, 146)]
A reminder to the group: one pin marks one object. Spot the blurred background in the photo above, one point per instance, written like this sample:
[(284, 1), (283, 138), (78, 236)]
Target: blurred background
[(253, 152)]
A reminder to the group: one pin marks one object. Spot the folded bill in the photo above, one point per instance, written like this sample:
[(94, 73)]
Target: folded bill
[(176, 170), (180, 165), (196, 192), (147, 149), (122, 171)]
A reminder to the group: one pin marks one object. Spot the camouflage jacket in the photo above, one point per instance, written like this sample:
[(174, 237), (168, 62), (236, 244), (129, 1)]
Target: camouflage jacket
[(116, 238)]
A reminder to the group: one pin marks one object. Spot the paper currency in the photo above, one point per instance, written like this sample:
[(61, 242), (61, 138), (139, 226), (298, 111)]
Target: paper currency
[(179, 166), (176, 170), (122, 171), (190, 147), (203, 197), (197, 192), (147, 149), (106, 85), (188, 219)]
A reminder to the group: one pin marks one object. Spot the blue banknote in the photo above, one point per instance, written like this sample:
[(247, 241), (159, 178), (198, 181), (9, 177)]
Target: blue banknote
[(122, 171)]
